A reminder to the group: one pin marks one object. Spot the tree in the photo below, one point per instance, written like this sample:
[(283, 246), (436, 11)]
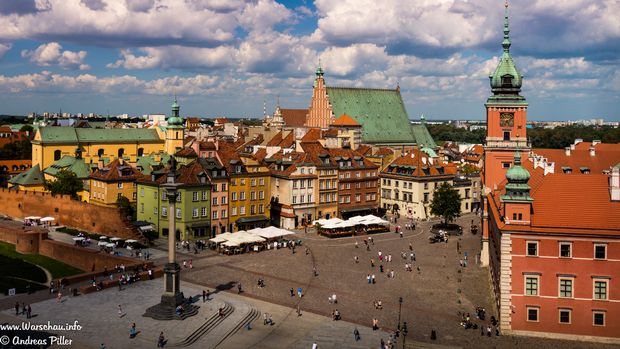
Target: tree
[(66, 183), (446, 203), (26, 128), (125, 206)]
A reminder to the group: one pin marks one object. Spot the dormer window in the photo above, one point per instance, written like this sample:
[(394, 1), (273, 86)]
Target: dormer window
[(585, 170), (507, 81), (238, 169)]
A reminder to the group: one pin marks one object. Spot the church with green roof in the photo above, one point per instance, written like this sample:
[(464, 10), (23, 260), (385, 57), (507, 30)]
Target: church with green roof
[(381, 112)]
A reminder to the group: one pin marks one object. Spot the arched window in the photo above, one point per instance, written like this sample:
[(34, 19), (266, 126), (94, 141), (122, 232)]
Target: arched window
[(15, 168), (177, 135), (57, 154), (140, 151), (121, 151), (100, 152)]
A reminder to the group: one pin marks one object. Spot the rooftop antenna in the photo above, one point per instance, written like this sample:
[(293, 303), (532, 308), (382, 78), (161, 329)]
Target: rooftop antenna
[(264, 108)]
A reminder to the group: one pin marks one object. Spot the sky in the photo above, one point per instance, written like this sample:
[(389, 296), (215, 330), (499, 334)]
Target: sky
[(233, 57)]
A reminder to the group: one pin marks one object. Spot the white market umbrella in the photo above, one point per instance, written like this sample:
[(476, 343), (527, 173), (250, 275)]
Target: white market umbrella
[(131, 241), (47, 219), (79, 238), (115, 239), (33, 217), (102, 243), (102, 237), (109, 244)]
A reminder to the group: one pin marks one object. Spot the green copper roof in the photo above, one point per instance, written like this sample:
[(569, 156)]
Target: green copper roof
[(31, 177), (506, 78), (517, 173), (430, 152), (423, 137), (77, 166), (381, 112), (147, 162), (70, 135), (517, 188), (175, 121)]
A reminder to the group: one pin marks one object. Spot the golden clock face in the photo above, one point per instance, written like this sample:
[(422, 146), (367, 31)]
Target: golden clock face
[(506, 120)]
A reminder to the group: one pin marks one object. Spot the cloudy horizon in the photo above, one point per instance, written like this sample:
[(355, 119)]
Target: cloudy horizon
[(229, 57)]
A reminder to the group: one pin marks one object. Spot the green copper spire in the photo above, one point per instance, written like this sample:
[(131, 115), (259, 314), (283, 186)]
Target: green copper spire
[(506, 79), (517, 176), (319, 70), (175, 121)]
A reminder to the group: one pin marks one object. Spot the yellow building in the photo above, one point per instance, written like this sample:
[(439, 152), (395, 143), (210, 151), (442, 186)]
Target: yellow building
[(110, 182), (50, 144), (248, 192)]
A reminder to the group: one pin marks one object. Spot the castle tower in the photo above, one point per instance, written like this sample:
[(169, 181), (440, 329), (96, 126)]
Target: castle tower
[(175, 131), (506, 126)]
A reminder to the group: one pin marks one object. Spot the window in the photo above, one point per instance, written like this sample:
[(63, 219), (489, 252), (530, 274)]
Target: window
[(531, 285), (214, 201), (233, 196), (309, 183), (358, 198), (242, 210), (121, 152), (294, 199), (505, 165), (119, 195), (309, 197), (178, 213), (57, 154), (425, 197), (134, 196), (233, 211), (261, 208), (425, 186), (261, 195), (565, 315), (242, 195), (155, 210), (506, 135), (600, 289), (532, 248), (155, 195), (120, 185), (301, 199), (348, 185), (142, 208), (253, 195), (253, 182), (302, 184), (223, 200), (598, 318), (242, 180), (532, 314), (223, 214), (565, 249), (164, 212), (142, 192), (178, 197), (252, 209), (203, 211), (214, 214), (261, 181), (566, 287), (223, 186), (194, 212), (204, 195), (294, 184), (195, 196), (600, 251), (100, 152)]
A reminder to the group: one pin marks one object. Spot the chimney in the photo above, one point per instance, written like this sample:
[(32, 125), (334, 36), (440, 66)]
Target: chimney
[(595, 142), (100, 164), (567, 151), (592, 151), (572, 147), (614, 184)]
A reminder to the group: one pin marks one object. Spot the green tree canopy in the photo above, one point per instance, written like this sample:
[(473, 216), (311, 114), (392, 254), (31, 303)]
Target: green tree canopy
[(66, 183), (446, 203), (19, 150)]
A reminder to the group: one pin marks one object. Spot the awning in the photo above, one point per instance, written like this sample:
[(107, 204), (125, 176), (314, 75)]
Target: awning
[(252, 219), (357, 209), (149, 227), (115, 239), (33, 217)]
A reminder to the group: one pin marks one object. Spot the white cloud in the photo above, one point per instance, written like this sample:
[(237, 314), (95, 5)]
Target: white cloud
[(52, 54), (176, 57), (4, 48)]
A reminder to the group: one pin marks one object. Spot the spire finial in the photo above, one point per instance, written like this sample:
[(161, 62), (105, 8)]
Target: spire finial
[(319, 69), (264, 108), (506, 42)]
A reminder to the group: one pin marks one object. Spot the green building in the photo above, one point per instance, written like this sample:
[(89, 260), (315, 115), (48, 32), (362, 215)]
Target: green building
[(193, 206)]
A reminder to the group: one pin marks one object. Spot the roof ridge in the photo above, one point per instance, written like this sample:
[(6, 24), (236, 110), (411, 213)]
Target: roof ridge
[(364, 88)]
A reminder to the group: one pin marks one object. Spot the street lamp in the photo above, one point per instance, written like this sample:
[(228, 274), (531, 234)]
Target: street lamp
[(400, 306), (404, 333)]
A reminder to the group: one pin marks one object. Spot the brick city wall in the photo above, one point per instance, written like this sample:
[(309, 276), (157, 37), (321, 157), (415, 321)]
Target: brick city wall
[(68, 212), (81, 257)]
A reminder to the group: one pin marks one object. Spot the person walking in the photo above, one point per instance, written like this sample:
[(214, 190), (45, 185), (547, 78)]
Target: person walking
[(368, 279), (356, 334), (239, 287), (120, 311), (29, 312), (16, 308), (132, 331), (161, 341), (204, 296), (292, 292)]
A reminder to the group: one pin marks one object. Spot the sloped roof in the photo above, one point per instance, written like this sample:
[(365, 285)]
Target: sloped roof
[(558, 207), (313, 134), (423, 138), (189, 174), (186, 153), (345, 120), (114, 171), (70, 163), (33, 176), (147, 163), (294, 117), (55, 135), (417, 164), (381, 112), (605, 157)]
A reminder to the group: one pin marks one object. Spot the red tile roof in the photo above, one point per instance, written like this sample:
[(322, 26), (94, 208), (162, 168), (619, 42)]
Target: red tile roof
[(313, 134), (346, 120), (114, 172), (605, 156), (186, 153), (562, 203), (294, 117), (418, 164)]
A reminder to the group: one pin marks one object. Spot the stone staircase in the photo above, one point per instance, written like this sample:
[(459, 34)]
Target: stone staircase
[(205, 328), (251, 315)]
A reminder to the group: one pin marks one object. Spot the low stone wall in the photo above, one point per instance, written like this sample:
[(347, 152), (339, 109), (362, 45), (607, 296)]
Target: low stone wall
[(68, 212), (157, 273), (81, 257)]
